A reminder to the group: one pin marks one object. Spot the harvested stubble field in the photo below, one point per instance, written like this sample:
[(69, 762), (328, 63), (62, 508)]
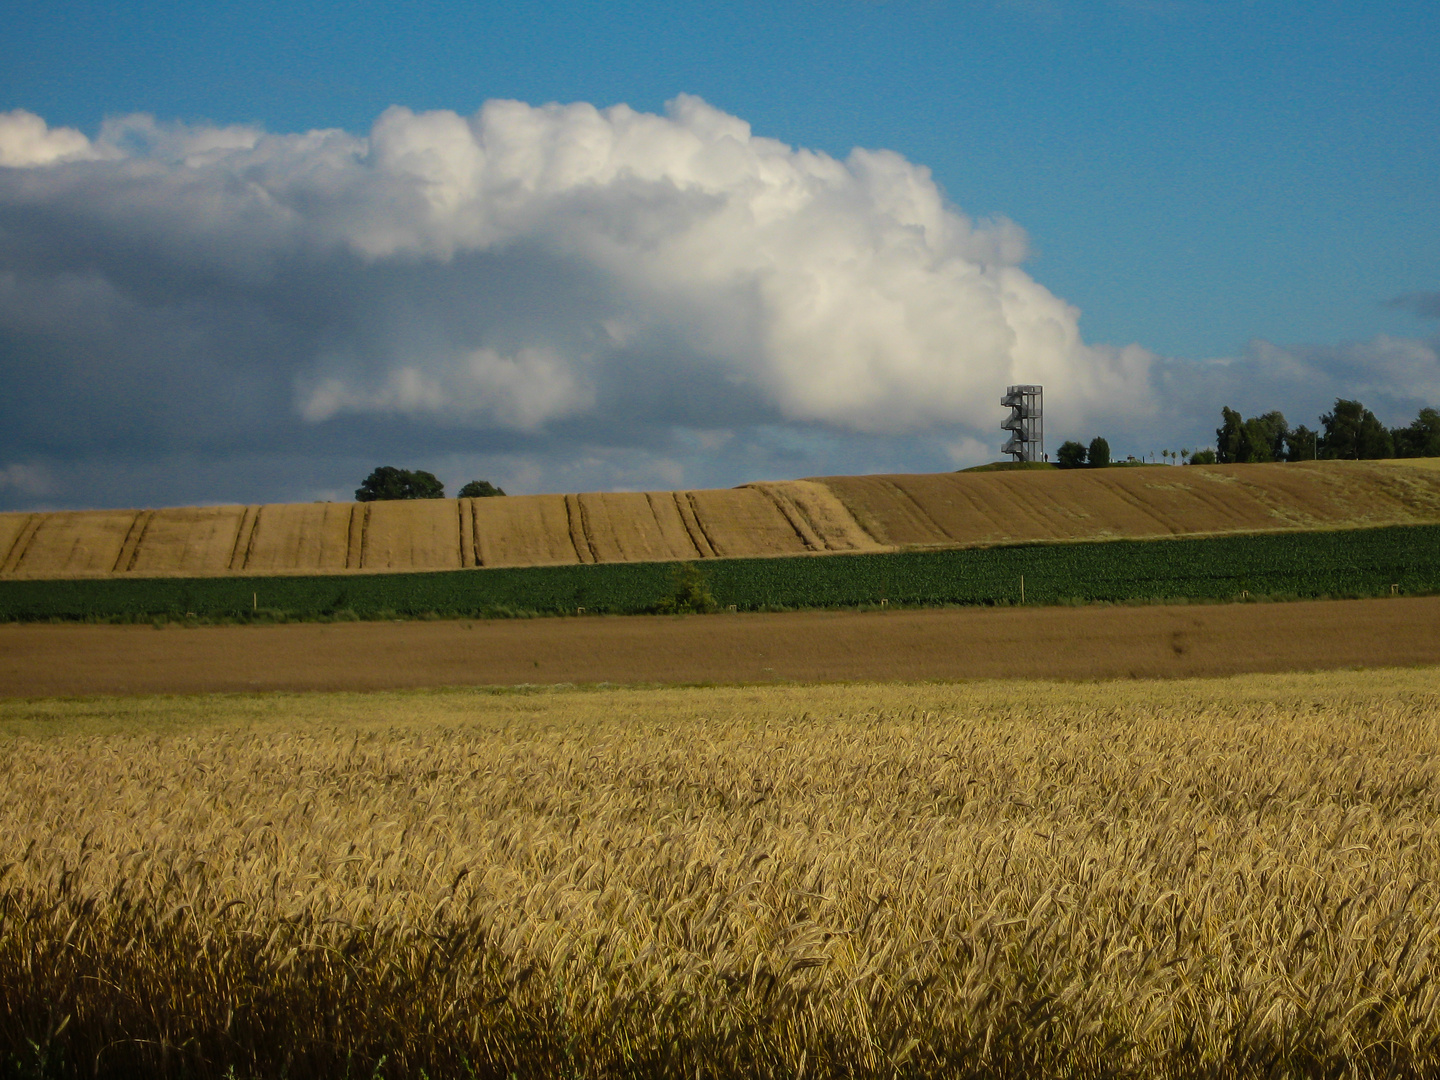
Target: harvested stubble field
[(830, 515), (767, 519), (967, 509), (1209, 878)]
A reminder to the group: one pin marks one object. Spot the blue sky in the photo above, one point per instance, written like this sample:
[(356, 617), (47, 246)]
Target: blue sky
[(1216, 183)]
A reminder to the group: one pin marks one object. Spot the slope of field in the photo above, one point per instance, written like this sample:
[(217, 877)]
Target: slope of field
[(969, 509), (1204, 879), (847, 514), (785, 518)]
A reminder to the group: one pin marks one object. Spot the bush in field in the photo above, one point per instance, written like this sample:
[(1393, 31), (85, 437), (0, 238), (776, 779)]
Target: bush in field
[(479, 489), (387, 483), (690, 595), (1099, 453)]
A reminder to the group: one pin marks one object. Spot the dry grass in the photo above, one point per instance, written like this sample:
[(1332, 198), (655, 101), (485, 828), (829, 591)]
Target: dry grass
[(1224, 878)]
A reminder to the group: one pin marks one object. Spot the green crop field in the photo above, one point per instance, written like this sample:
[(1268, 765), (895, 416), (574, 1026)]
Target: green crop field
[(1362, 562)]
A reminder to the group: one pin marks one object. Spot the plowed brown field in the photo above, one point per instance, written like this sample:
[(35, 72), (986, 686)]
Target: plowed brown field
[(834, 514), (1065, 643)]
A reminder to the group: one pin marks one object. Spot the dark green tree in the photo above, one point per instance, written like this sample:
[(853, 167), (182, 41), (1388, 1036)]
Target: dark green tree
[(1260, 438), (1071, 455), (387, 483), (1352, 432), (1229, 436), (1099, 453), (479, 489), (1265, 436), (1203, 457), (1300, 444), (1421, 438)]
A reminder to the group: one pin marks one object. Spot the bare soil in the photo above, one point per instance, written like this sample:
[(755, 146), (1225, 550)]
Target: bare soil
[(947, 644)]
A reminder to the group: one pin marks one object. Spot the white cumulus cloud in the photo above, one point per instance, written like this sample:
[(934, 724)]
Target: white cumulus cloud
[(27, 141), (557, 284), (843, 293)]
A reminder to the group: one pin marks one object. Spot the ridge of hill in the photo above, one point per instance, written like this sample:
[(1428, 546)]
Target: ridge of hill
[(819, 516)]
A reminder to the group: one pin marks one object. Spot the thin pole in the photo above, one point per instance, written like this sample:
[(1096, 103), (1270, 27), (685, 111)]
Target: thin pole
[(1022, 588)]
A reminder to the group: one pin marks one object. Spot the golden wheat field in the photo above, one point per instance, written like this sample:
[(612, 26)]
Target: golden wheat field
[(1232, 877)]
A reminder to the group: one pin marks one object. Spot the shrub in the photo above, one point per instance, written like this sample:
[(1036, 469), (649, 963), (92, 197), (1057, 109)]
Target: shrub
[(690, 595)]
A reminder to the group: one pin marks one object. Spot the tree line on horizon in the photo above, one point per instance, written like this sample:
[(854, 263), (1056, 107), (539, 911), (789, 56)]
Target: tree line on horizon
[(1349, 432), (387, 483)]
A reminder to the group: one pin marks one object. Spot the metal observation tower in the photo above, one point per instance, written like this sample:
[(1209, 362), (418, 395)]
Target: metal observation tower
[(1026, 423)]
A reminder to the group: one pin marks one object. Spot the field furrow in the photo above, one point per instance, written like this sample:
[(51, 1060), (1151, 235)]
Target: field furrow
[(744, 522), (622, 527), (15, 533)]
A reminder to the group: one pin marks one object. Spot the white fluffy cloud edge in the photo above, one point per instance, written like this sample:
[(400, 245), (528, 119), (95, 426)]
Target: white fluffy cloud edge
[(559, 296)]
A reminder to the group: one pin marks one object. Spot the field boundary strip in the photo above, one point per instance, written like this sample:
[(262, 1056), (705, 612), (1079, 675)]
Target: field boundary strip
[(1380, 561)]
